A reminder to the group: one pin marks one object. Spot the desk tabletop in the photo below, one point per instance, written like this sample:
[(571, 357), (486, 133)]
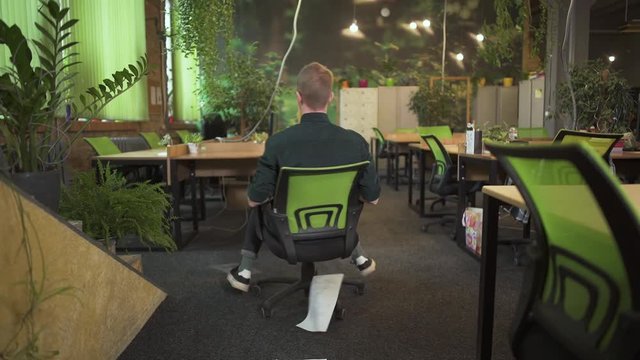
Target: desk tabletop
[(151, 154), (452, 149), (626, 155), (509, 194), (208, 151)]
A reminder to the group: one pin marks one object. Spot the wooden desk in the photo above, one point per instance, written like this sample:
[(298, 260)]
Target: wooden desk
[(213, 159), (494, 196)]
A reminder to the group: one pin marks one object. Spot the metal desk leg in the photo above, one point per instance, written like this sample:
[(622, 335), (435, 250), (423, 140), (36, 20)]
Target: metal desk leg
[(484, 338), (203, 206), (396, 152), (194, 199), (175, 208), (421, 169), (462, 202), (410, 177)]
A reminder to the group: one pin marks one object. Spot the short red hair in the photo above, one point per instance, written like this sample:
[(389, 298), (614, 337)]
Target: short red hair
[(314, 85)]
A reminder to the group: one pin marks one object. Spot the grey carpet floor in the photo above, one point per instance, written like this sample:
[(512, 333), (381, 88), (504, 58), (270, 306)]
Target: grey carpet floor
[(421, 303)]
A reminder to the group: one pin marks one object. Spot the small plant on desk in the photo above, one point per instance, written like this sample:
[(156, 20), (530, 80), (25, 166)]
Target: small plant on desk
[(193, 140), (166, 140)]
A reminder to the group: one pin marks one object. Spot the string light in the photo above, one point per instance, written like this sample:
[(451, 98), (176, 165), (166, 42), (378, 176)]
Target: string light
[(612, 58), (480, 37), (459, 56), (413, 25), (385, 12), (354, 27), (426, 23)]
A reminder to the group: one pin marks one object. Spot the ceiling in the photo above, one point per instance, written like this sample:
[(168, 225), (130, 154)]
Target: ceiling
[(610, 14)]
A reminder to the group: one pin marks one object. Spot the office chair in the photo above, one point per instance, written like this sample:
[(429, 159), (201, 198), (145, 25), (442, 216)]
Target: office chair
[(183, 134), (602, 143), (152, 139), (442, 181), (312, 217), (582, 294), (384, 153), (532, 133), (442, 132)]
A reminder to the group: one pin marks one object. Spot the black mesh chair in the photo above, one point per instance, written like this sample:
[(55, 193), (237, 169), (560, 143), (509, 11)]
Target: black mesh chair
[(313, 217)]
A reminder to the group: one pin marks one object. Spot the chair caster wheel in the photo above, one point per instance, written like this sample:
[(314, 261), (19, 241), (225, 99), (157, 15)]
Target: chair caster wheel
[(256, 290), (338, 313), (266, 313)]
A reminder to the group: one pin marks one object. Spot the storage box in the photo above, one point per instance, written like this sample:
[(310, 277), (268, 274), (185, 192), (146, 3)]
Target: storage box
[(472, 221)]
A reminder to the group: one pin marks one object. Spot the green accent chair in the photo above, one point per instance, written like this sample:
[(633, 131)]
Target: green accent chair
[(442, 181), (152, 138), (405, 131), (102, 145), (533, 133), (383, 153), (602, 143), (312, 217), (442, 132), (183, 134), (581, 297)]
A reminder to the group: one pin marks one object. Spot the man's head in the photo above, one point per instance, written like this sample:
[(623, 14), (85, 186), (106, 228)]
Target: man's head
[(314, 88)]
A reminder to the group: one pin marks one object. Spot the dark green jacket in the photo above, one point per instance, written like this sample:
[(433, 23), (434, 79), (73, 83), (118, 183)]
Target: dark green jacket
[(315, 142)]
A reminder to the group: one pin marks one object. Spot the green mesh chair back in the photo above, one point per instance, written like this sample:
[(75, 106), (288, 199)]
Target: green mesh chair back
[(533, 133), (152, 138), (441, 132), (316, 203), (183, 135), (602, 143), (442, 169), (381, 143), (405, 131), (102, 145), (584, 299)]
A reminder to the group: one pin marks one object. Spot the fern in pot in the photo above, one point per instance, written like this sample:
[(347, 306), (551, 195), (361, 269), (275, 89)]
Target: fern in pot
[(110, 209)]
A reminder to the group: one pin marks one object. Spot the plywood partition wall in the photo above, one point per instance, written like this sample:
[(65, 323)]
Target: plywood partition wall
[(105, 303)]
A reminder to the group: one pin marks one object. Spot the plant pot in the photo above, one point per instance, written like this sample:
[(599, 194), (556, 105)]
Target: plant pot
[(482, 82), (390, 82), (344, 84), (193, 148), (507, 82), (44, 186), (363, 83)]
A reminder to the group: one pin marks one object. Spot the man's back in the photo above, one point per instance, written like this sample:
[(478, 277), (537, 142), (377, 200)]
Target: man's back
[(315, 142)]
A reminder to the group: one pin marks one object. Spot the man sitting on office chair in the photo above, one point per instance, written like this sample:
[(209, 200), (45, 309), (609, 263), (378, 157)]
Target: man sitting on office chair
[(314, 142)]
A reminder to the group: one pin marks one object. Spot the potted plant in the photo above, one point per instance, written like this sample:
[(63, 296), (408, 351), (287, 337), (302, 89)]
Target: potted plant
[(242, 93), (602, 99), (32, 98), (110, 208), (434, 105), (193, 141)]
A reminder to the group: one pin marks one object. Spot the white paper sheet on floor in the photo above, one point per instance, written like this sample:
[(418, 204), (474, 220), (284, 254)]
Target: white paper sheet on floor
[(322, 300)]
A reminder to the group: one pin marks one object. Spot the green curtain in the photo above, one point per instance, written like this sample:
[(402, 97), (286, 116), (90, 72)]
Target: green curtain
[(23, 13), (185, 85), (111, 35)]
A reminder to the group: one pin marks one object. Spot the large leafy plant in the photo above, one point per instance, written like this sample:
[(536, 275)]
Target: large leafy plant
[(32, 98), (109, 207), (242, 92), (602, 98), (435, 105)]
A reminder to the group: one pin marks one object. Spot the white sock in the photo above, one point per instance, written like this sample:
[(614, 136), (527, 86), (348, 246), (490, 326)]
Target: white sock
[(361, 260), (245, 273)]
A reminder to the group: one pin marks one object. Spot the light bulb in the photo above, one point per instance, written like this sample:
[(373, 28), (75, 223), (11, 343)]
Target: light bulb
[(480, 37), (426, 23), (354, 27), (612, 58), (413, 25), (385, 12), (459, 57)]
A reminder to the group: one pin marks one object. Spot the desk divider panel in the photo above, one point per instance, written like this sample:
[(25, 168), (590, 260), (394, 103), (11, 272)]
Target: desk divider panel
[(107, 304)]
